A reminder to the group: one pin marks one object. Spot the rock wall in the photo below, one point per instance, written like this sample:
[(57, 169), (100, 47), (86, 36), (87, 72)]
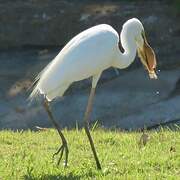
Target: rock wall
[(47, 22), (53, 23), (129, 100)]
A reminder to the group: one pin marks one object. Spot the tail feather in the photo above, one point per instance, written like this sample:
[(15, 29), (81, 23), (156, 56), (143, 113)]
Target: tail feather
[(35, 89), (33, 94)]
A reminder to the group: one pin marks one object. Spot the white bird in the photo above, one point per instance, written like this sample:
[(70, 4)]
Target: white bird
[(88, 54)]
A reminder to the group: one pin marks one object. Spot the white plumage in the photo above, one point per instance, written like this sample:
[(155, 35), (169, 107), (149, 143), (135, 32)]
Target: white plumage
[(87, 55)]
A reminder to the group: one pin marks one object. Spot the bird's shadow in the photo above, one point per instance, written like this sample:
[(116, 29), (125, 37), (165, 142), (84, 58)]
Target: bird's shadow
[(54, 177), (70, 176)]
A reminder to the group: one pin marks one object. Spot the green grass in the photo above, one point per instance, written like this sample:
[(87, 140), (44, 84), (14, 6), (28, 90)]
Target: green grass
[(28, 155)]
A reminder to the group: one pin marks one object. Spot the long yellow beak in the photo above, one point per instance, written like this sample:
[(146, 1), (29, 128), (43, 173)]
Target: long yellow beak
[(148, 58)]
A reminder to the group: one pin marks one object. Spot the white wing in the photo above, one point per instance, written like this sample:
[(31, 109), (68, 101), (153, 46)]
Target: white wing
[(87, 54)]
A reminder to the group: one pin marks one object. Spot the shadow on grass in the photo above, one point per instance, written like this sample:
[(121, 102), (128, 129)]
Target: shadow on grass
[(54, 177), (89, 173)]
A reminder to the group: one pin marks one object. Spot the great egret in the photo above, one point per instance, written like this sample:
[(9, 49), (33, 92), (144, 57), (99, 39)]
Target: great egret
[(88, 54)]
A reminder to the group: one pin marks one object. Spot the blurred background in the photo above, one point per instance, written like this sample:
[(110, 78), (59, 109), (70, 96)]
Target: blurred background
[(32, 33)]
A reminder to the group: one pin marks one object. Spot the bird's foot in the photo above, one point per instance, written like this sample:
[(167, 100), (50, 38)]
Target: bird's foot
[(63, 148)]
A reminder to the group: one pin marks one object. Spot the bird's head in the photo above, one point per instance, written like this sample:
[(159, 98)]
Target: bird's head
[(147, 55), (145, 52)]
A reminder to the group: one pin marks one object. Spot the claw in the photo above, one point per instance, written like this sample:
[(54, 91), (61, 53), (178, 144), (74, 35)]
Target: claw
[(56, 153), (60, 157), (61, 151)]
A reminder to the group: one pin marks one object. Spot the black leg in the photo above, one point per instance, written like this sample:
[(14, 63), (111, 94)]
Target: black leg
[(86, 125), (64, 146)]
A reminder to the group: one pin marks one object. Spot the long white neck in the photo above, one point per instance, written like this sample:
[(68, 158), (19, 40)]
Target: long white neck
[(123, 60)]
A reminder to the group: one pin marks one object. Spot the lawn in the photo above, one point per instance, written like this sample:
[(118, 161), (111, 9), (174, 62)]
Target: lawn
[(28, 155)]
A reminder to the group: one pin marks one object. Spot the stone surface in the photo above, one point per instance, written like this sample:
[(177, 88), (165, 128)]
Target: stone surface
[(46, 23), (129, 100)]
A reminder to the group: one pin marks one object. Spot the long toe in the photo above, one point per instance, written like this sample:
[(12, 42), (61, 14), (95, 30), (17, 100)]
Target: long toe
[(61, 154), (62, 149), (66, 156), (58, 151)]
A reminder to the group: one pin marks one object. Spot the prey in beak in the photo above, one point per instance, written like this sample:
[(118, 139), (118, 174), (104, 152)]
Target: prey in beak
[(148, 57)]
